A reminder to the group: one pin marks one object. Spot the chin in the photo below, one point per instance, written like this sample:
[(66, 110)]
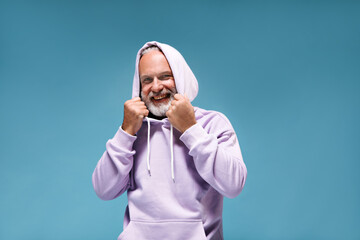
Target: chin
[(159, 110)]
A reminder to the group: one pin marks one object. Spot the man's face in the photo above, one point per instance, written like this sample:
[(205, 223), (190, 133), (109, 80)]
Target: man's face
[(157, 82)]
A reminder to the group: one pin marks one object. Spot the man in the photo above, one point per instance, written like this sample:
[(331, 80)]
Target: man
[(175, 161)]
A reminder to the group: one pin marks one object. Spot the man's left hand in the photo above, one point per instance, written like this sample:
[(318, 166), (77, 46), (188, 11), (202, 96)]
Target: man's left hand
[(181, 113)]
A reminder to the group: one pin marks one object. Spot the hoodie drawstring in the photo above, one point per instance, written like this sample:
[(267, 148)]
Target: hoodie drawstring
[(172, 153), (171, 150), (148, 147)]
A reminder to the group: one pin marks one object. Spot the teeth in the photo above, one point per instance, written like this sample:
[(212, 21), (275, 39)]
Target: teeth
[(159, 97)]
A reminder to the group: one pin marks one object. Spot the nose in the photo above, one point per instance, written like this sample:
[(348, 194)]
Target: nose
[(157, 85)]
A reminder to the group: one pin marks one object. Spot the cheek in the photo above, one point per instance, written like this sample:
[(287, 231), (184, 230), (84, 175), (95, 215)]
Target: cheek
[(145, 91), (170, 84)]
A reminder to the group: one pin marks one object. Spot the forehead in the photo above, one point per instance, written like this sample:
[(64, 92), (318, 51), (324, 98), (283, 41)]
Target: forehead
[(153, 62)]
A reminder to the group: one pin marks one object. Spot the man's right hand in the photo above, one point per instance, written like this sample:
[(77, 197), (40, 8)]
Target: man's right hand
[(134, 112)]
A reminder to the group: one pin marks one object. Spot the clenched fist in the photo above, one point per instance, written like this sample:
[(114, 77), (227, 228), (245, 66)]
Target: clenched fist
[(134, 112), (181, 113)]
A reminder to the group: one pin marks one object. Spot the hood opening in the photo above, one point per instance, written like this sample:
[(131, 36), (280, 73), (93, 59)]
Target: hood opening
[(185, 80)]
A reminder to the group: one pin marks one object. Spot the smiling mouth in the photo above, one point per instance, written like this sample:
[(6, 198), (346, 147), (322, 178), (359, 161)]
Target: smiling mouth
[(161, 97)]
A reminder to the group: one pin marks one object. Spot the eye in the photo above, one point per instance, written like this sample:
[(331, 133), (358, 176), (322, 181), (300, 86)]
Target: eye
[(147, 80), (166, 76)]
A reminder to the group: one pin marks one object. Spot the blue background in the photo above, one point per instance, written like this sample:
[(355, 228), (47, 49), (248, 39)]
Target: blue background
[(286, 74)]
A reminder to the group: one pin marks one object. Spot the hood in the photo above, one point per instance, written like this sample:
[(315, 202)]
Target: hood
[(185, 79)]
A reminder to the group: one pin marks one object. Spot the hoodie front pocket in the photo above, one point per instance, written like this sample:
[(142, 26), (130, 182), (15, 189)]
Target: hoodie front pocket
[(190, 229)]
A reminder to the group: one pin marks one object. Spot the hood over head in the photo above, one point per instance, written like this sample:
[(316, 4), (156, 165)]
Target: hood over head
[(185, 80), (185, 83)]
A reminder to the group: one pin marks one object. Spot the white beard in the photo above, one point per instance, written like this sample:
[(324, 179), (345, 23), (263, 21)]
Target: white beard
[(160, 109)]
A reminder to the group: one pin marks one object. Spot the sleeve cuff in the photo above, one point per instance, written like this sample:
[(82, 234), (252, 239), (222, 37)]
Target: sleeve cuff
[(192, 135), (125, 139)]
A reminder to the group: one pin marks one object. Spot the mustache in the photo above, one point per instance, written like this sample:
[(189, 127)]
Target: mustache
[(162, 92)]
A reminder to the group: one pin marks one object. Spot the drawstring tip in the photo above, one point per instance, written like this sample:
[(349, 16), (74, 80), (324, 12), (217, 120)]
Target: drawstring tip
[(174, 180), (149, 173)]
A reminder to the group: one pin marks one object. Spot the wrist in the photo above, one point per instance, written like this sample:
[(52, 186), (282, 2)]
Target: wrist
[(128, 130), (187, 127)]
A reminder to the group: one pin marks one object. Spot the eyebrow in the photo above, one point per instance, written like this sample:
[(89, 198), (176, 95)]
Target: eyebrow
[(166, 72)]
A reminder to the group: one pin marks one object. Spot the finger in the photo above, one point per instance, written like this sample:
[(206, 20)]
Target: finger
[(146, 113), (136, 99), (143, 113), (178, 96), (168, 113), (139, 103), (142, 108)]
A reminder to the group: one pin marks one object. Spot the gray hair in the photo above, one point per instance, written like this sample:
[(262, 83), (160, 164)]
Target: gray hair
[(149, 49)]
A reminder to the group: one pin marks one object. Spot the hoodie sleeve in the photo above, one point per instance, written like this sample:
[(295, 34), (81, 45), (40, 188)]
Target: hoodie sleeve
[(111, 176), (217, 156)]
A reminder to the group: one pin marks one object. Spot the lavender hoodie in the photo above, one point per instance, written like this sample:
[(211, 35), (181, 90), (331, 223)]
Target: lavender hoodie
[(175, 182)]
